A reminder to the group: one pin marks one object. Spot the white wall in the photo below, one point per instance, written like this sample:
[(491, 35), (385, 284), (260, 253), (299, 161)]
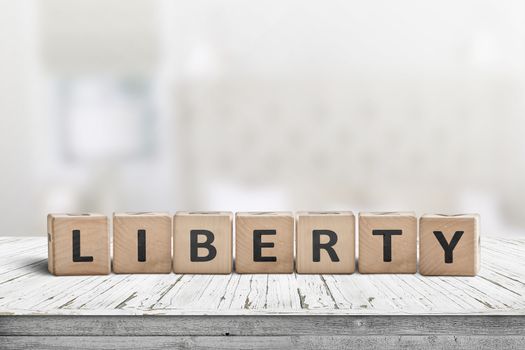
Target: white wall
[(17, 66)]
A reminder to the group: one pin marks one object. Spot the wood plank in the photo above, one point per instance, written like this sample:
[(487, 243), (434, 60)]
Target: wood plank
[(258, 325), (27, 288), (282, 342)]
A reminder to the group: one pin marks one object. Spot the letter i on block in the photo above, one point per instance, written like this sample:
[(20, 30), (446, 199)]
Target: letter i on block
[(449, 245), (141, 242), (78, 244), (264, 242), (202, 242), (387, 242), (325, 242)]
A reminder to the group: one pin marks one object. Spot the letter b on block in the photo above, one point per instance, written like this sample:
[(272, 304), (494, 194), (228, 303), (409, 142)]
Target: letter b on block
[(78, 244), (202, 242), (449, 245), (264, 242), (325, 242)]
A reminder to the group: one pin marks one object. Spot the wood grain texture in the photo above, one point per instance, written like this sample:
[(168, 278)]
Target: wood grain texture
[(280, 342), (405, 331), (282, 239), (220, 224), (27, 288), (92, 237), (403, 252), (265, 325), (157, 238), (465, 257), (342, 224)]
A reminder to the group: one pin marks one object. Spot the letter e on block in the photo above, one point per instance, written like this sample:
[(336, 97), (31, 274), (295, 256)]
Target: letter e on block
[(141, 242), (202, 242), (387, 242), (264, 242), (325, 242), (78, 244), (449, 245)]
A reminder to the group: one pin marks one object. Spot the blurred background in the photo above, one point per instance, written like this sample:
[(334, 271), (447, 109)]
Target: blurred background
[(110, 105)]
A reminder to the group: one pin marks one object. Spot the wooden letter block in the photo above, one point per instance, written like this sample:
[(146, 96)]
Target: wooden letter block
[(141, 243), (264, 242), (202, 242), (78, 244), (325, 242), (449, 245), (387, 242)]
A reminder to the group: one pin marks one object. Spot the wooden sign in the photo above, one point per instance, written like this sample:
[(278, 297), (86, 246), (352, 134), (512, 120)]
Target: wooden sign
[(142, 243), (202, 242), (264, 242), (387, 242), (78, 244), (325, 242), (449, 245)]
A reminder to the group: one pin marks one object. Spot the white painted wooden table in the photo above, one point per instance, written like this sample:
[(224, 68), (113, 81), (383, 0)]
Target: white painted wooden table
[(261, 311)]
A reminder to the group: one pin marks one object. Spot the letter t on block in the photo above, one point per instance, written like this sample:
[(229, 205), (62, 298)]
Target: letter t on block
[(387, 242), (449, 245), (78, 244)]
